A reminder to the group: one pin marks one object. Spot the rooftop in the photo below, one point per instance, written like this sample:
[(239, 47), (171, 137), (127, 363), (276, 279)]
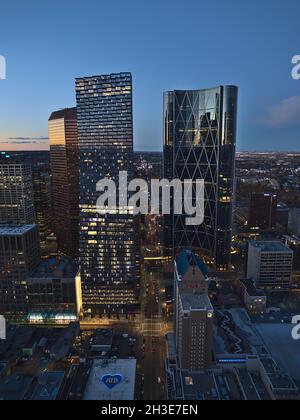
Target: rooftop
[(15, 230), (14, 387), (196, 302), (67, 113), (279, 379), (48, 386), (251, 289), (62, 268), (270, 246), (188, 259), (111, 380)]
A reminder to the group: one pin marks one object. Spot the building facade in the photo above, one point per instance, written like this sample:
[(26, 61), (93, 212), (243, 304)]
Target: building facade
[(19, 256), (108, 242), (65, 179), (16, 193), (263, 211), (200, 143), (270, 265), (54, 286), (193, 313), (42, 192)]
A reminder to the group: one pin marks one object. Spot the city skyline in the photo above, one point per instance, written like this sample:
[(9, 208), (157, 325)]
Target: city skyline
[(259, 61), (149, 203)]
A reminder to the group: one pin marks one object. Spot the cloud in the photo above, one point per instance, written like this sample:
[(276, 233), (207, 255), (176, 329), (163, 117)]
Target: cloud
[(25, 140), (285, 113)]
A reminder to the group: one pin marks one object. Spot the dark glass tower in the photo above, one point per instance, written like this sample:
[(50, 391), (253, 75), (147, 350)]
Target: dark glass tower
[(199, 143), (65, 179), (108, 245)]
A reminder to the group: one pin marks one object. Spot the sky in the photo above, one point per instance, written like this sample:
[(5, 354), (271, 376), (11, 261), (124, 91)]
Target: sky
[(167, 45)]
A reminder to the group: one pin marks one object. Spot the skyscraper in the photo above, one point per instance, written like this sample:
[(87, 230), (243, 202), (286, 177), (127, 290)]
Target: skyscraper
[(200, 143), (65, 179), (43, 200), (193, 313), (16, 193), (19, 255), (263, 211), (108, 246)]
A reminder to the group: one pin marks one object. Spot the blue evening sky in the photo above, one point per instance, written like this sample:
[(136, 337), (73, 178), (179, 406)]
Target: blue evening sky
[(166, 44)]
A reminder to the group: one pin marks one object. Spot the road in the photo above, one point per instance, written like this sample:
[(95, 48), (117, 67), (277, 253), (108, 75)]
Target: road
[(150, 328), (153, 330)]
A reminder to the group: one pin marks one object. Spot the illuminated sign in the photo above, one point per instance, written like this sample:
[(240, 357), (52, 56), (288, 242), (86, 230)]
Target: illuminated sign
[(111, 381)]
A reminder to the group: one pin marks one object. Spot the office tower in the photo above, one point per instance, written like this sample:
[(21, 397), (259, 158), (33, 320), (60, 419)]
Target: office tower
[(16, 193), (294, 221), (199, 143), (270, 265), (195, 332), (65, 179), (263, 211), (108, 242), (54, 287), (282, 215), (42, 193), (19, 255), (193, 313)]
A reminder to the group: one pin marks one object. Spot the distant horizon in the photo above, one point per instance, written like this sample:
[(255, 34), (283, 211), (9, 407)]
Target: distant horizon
[(159, 151), (166, 45)]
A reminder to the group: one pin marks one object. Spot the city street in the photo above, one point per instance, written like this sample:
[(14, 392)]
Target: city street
[(150, 329)]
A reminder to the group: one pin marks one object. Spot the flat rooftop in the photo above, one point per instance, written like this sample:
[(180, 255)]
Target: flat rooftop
[(14, 387), (251, 289), (280, 344), (278, 378), (55, 268), (48, 386), (11, 230), (196, 302), (111, 380), (272, 246)]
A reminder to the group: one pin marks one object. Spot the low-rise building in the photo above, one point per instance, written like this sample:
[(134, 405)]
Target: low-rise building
[(111, 380), (255, 300), (270, 265)]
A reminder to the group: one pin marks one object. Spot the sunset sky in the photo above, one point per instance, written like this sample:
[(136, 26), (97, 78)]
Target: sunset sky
[(166, 44)]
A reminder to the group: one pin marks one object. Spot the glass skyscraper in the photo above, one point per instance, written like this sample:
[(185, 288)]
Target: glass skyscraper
[(200, 143), (65, 179), (108, 242)]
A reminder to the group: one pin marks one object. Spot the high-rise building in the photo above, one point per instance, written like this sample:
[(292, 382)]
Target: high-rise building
[(108, 242), (54, 287), (19, 255), (200, 143), (16, 193), (43, 200), (193, 313), (263, 211), (65, 179), (294, 221), (270, 265)]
